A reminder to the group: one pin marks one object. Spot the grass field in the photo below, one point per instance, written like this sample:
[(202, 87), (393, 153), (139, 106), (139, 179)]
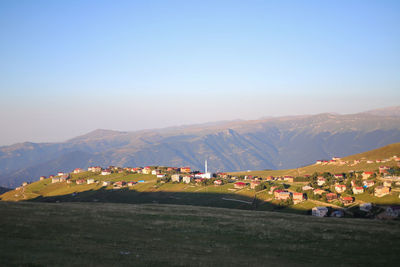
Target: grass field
[(104, 234)]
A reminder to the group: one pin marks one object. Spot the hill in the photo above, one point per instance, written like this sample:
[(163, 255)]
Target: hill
[(386, 152), (389, 111), (95, 234), (270, 143), (149, 189)]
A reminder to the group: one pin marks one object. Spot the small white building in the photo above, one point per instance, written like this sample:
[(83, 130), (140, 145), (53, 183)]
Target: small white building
[(176, 178), (320, 211), (187, 179), (90, 181), (105, 172)]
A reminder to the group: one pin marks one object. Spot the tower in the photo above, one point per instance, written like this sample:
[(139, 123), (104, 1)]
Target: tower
[(205, 165)]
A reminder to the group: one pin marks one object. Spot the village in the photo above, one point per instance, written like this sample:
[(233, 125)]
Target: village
[(353, 193)]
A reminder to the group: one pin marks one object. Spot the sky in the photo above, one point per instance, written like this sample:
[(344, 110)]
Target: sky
[(70, 67)]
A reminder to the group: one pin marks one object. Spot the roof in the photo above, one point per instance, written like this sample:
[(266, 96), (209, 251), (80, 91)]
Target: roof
[(347, 198)]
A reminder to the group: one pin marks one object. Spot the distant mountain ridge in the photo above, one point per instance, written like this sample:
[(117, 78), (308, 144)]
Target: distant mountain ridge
[(269, 143)]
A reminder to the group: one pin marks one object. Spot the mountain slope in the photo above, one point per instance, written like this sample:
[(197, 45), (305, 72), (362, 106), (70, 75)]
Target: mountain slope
[(271, 143)]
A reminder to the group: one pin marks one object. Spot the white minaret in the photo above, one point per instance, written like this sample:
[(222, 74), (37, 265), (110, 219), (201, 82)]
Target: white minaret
[(206, 166)]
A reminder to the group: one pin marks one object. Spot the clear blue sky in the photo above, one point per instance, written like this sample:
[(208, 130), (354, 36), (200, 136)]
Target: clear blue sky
[(69, 67)]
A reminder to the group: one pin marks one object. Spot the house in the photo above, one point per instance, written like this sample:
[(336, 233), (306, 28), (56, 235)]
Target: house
[(346, 200), (155, 172), (218, 182), (185, 169), (393, 211), (90, 181), (387, 183), (340, 188), (289, 179), (42, 178), (60, 174), (119, 184), (357, 161), (80, 181), (335, 158), (94, 169), (318, 162), (338, 176), (307, 187), (106, 183), (187, 179), (319, 211), (358, 190), (239, 185), (331, 197), (176, 178), (381, 191), (160, 175), (383, 169), (199, 180), (61, 178), (368, 183), (170, 169), (321, 181), (146, 170), (24, 183), (366, 175), (366, 207), (106, 172), (282, 195), (272, 189), (319, 191), (131, 183), (270, 178), (254, 184), (78, 170), (297, 197), (370, 161)]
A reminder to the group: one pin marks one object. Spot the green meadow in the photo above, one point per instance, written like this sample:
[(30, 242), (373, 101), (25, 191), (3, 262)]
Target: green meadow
[(107, 234)]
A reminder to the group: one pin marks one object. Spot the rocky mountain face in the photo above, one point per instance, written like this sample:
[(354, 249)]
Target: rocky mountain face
[(271, 143)]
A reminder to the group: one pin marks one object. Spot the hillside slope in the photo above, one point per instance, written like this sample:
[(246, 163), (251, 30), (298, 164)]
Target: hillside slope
[(386, 152), (272, 143)]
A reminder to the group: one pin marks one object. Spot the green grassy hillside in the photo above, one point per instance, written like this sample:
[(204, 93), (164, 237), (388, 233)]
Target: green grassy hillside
[(98, 234)]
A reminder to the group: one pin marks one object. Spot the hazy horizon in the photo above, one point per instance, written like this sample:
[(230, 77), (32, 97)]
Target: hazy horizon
[(71, 67)]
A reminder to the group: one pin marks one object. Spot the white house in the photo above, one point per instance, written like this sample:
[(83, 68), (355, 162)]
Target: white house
[(90, 181), (176, 178), (187, 179), (106, 172)]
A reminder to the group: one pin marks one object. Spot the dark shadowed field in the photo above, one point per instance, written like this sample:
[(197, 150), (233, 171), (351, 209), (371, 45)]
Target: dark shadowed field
[(103, 234)]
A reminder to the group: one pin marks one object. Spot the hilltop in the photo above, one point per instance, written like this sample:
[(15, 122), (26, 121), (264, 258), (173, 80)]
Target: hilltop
[(268, 143), (386, 152)]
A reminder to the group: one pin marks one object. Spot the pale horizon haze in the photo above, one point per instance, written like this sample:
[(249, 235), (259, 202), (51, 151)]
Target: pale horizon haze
[(70, 67)]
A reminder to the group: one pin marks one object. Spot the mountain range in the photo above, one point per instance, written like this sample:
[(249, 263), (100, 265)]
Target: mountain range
[(268, 143)]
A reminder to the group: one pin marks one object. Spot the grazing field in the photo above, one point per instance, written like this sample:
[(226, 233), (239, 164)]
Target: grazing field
[(105, 234)]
